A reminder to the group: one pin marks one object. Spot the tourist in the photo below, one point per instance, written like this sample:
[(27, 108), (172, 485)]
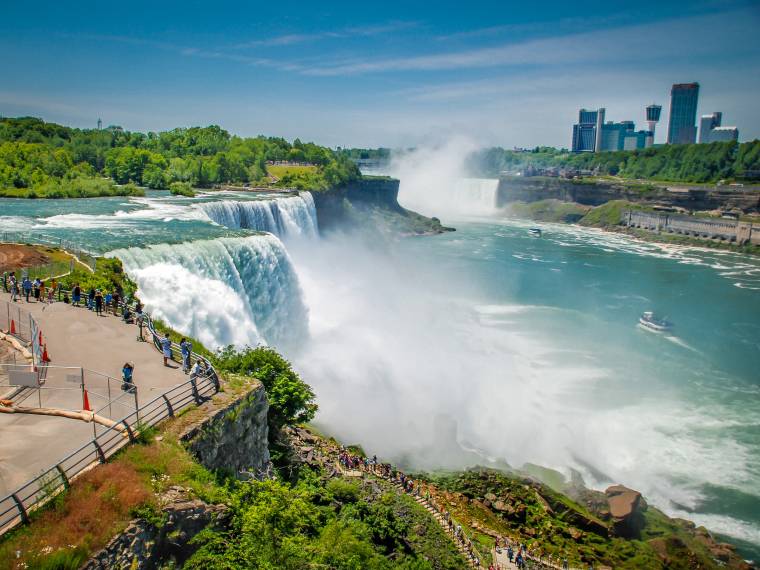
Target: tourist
[(126, 315), (26, 284), (36, 287), (140, 318), (116, 301), (187, 348), (199, 369), (108, 299), (76, 295), (166, 348), (91, 299), (14, 289), (128, 384), (5, 281), (98, 303)]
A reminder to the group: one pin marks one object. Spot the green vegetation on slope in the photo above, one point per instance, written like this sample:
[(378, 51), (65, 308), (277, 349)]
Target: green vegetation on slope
[(684, 163), (548, 210), (322, 522), (109, 276), (39, 159)]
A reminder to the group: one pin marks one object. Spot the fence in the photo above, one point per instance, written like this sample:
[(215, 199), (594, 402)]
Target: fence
[(20, 324), (16, 507), (84, 256)]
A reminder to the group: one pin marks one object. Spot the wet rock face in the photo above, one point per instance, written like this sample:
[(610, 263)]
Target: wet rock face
[(626, 510), (146, 546)]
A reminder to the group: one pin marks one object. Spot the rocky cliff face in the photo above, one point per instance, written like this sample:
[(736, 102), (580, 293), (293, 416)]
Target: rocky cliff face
[(596, 193), (233, 438), (370, 204), (146, 545)]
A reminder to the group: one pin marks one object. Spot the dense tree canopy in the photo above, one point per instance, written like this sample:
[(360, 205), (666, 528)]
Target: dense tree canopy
[(684, 163), (33, 153)]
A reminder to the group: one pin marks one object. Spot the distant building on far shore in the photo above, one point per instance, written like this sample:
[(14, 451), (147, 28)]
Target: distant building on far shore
[(587, 132), (592, 134), (682, 127), (710, 129)]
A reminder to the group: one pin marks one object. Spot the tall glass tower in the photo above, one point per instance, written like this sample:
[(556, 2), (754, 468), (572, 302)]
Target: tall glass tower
[(682, 127)]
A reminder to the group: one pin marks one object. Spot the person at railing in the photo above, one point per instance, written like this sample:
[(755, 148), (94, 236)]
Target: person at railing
[(128, 384), (199, 369), (98, 302), (166, 348), (140, 318), (186, 348), (14, 289), (36, 286), (26, 284), (116, 300), (126, 315), (76, 295)]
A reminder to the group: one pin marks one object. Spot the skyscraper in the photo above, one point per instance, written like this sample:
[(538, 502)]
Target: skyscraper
[(707, 123), (683, 113), (587, 132), (711, 129)]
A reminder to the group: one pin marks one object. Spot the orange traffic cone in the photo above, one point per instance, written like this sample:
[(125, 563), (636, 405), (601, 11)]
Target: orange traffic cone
[(86, 403), (13, 327), (45, 357)]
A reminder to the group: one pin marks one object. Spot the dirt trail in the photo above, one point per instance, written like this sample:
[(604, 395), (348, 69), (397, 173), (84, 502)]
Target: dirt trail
[(14, 256)]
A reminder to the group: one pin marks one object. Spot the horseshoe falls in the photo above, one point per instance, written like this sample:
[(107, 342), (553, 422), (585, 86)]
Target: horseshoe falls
[(286, 217), (240, 291)]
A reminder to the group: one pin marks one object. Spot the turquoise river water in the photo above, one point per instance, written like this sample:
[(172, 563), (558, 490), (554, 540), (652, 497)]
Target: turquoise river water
[(484, 345)]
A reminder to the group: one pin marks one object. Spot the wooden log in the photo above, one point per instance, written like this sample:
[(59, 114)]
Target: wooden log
[(83, 415)]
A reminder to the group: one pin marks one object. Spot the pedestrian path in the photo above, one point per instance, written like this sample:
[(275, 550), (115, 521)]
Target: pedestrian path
[(75, 336)]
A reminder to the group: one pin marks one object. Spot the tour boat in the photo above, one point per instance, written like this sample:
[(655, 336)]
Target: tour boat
[(649, 321), (535, 232)]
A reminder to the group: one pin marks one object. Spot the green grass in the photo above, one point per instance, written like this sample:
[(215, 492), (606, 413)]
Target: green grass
[(548, 210), (81, 187), (280, 170)]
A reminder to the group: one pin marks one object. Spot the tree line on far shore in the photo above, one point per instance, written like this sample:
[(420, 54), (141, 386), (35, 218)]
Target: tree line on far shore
[(702, 163), (40, 159)]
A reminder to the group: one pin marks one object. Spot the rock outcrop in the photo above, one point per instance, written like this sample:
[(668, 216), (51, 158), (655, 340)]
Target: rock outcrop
[(626, 510), (146, 545)]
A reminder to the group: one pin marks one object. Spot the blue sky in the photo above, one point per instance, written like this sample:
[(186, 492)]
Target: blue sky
[(377, 73)]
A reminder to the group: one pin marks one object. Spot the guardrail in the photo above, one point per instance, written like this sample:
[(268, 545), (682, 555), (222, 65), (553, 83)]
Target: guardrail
[(20, 324), (16, 507)]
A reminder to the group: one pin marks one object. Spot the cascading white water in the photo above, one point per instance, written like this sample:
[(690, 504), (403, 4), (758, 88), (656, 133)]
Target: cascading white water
[(475, 195), (285, 217), (240, 291)]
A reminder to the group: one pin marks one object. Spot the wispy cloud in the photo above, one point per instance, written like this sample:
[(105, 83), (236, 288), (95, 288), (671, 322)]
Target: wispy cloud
[(692, 36), (356, 31)]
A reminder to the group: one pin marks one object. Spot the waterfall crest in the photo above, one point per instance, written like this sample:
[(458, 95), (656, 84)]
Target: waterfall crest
[(285, 217), (241, 291), (476, 195)]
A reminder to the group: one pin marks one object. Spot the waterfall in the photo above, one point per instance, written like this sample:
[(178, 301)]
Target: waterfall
[(476, 195), (285, 217), (241, 291)]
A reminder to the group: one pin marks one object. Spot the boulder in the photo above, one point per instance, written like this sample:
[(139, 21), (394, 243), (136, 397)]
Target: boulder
[(626, 510)]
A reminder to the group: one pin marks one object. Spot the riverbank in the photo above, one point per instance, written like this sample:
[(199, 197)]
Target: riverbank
[(608, 217)]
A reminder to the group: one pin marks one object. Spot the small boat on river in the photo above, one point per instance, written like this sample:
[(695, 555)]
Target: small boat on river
[(535, 232), (652, 323)]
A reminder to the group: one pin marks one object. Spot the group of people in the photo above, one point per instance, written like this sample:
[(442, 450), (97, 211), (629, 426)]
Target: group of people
[(98, 301), (517, 553), (37, 289), (352, 461)]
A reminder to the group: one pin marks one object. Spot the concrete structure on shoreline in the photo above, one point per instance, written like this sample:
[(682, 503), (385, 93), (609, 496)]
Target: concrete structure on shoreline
[(734, 231)]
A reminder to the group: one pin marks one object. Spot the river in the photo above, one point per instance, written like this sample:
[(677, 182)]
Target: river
[(481, 346)]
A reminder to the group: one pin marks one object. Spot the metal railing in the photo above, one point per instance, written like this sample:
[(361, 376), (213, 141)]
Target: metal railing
[(20, 324), (16, 507)]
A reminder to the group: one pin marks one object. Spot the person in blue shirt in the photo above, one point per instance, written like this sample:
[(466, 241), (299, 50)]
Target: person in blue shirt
[(187, 348), (166, 348), (127, 377), (26, 284)]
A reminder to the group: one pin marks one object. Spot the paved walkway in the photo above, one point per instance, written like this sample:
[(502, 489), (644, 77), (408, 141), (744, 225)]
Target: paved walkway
[(76, 337)]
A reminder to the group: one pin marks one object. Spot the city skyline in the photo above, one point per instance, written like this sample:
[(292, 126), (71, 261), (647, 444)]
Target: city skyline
[(363, 76)]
